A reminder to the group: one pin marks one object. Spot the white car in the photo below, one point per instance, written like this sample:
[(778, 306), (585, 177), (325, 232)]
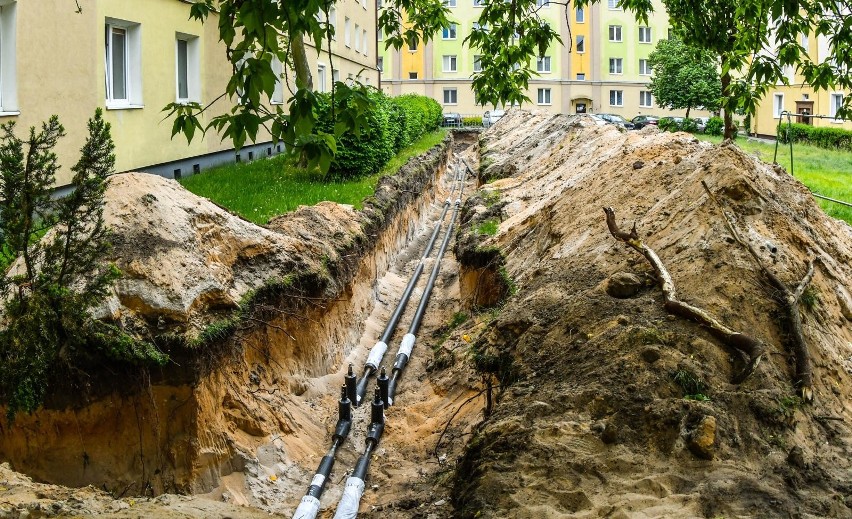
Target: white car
[(491, 116)]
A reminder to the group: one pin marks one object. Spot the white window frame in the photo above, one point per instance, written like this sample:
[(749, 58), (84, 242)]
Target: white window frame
[(543, 64), (615, 33), (777, 105), (193, 68), (453, 93), (321, 85), (347, 31), (365, 43), (415, 78), (646, 99), (477, 63), (357, 38), (477, 3), (449, 33), (644, 68), (450, 63), (644, 34), (278, 93), (413, 49), (543, 96), (616, 66), (580, 15), (616, 98), (581, 39), (612, 5), (132, 64), (450, 3), (835, 101), (332, 20), (380, 63), (364, 4), (8, 59), (542, 3), (581, 76)]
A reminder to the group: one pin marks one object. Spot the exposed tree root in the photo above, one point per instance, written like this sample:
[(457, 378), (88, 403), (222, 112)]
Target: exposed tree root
[(789, 300), (752, 348)]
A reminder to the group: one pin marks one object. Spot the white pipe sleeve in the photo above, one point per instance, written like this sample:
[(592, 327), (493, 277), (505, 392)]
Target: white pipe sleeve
[(308, 508), (407, 345), (348, 506), (376, 354)]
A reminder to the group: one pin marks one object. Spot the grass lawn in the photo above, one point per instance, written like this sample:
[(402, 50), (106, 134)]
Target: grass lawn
[(259, 190), (825, 172)]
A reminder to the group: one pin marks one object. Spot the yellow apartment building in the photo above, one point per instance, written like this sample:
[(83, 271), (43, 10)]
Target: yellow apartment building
[(132, 58)]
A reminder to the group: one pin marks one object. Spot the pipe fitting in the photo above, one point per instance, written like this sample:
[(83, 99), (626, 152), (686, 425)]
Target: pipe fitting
[(382, 383)]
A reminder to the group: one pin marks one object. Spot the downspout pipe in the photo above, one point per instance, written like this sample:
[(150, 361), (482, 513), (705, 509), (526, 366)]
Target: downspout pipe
[(309, 506), (410, 338), (377, 353), (347, 508)]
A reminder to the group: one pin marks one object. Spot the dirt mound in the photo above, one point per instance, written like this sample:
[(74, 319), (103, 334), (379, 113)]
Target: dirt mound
[(612, 407)]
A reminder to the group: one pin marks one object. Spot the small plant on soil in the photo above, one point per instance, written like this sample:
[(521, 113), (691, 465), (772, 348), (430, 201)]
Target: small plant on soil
[(810, 298), (787, 407), (693, 387), (488, 227)]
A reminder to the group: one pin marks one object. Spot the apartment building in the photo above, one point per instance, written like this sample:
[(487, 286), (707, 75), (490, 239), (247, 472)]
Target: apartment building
[(132, 58), (603, 66)]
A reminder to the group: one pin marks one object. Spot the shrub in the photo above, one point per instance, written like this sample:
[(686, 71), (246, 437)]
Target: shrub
[(715, 126), (471, 121), (689, 125), (829, 138)]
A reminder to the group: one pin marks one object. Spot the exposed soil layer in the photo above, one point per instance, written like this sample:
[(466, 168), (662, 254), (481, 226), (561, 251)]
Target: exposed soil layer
[(611, 407)]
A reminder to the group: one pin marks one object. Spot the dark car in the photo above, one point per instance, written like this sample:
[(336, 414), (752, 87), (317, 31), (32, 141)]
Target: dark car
[(641, 121), (616, 120), (452, 120)]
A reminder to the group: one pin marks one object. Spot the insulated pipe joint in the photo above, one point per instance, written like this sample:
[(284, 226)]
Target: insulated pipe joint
[(407, 345), (377, 411), (351, 385), (308, 508), (344, 406), (318, 483), (374, 432), (352, 492), (382, 383), (376, 355)]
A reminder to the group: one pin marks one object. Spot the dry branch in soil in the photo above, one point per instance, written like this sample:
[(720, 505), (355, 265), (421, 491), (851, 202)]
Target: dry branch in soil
[(749, 346), (788, 298)]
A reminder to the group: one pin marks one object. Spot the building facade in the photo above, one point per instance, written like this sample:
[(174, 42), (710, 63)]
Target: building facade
[(603, 66), (131, 59)]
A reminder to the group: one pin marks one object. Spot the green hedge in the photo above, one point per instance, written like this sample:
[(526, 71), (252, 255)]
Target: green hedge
[(392, 125), (715, 126), (829, 138)]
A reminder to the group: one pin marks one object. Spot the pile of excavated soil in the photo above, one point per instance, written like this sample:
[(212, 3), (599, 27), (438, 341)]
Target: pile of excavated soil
[(593, 419)]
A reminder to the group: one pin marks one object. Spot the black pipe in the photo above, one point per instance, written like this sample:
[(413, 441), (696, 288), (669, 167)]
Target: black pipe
[(351, 382), (410, 338), (379, 349), (382, 384)]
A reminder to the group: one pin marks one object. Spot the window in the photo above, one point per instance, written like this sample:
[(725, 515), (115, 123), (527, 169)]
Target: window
[(805, 42), (412, 46), (477, 3), (357, 38), (320, 84), (614, 33), (335, 75), (542, 3), (836, 101), (542, 64), (380, 63), (671, 34), (581, 44), (450, 32), (278, 92), (644, 35), (616, 98), (544, 96), (379, 34), (450, 63), (450, 96), (123, 64), (188, 70), (347, 32), (580, 15), (477, 63), (615, 66), (613, 4), (646, 100), (777, 105), (412, 75), (644, 68), (450, 3), (332, 20), (8, 61), (581, 76), (364, 43)]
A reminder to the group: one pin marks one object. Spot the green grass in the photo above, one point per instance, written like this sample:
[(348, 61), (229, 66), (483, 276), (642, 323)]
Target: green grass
[(825, 172), (259, 190)]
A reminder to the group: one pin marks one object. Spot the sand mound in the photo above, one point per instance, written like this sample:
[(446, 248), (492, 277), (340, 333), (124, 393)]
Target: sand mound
[(594, 421)]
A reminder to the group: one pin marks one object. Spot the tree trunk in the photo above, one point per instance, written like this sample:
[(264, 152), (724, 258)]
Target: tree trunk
[(688, 108), (726, 92), (300, 62)]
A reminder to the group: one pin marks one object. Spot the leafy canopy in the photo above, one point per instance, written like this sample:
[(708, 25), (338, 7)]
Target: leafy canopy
[(684, 77)]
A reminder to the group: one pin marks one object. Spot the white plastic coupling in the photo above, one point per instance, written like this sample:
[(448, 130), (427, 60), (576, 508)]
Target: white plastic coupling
[(376, 355), (308, 508), (458, 201), (352, 492), (407, 345)]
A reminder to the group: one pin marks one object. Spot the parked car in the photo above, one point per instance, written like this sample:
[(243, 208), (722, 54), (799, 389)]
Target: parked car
[(492, 116), (670, 119), (598, 119), (616, 120), (641, 121), (701, 123), (452, 120)]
